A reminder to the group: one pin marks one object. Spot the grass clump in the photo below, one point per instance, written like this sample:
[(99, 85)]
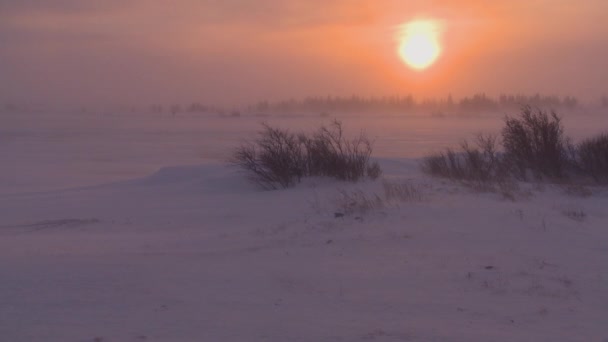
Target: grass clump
[(358, 202), (361, 202), (403, 191)]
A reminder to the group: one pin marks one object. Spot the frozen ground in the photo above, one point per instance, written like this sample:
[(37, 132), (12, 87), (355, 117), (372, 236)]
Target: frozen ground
[(194, 253)]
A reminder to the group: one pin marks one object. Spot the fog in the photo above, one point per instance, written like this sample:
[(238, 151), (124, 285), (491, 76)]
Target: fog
[(78, 78), (141, 198)]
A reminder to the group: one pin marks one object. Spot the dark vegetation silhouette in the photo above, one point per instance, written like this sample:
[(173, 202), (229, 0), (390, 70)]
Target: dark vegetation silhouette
[(593, 157), (326, 105), (477, 102), (279, 158), (479, 162), (534, 146), (535, 142)]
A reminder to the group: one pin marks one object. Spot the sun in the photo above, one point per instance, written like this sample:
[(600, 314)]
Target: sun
[(419, 45)]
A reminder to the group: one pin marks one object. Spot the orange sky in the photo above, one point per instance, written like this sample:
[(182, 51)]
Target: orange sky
[(231, 51)]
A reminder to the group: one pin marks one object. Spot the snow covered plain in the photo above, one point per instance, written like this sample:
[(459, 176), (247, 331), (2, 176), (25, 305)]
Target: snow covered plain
[(93, 249)]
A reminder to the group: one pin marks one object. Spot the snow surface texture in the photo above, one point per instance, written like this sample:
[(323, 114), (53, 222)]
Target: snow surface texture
[(195, 253)]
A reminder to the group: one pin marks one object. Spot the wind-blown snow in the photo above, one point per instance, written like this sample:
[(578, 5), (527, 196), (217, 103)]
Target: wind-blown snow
[(196, 253), (101, 241), (49, 151)]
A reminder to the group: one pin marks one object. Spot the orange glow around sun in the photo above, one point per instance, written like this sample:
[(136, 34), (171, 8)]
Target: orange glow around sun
[(419, 43)]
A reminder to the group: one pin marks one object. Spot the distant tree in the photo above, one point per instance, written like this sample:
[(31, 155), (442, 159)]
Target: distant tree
[(175, 109), (570, 102), (450, 101)]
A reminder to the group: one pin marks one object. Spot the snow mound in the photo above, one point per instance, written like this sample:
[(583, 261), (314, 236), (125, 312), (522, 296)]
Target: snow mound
[(210, 178)]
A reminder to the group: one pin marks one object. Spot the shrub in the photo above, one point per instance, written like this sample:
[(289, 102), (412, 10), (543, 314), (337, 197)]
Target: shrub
[(330, 154), (593, 157), (279, 158), (479, 163), (374, 171), (443, 164), (275, 159), (535, 141), (482, 162)]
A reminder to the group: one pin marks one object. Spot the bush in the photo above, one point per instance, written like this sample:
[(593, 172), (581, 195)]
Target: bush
[(535, 142), (330, 154), (374, 171), (279, 158), (275, 159), (593, 157), (443, 164), (482, 162), (479, 163)]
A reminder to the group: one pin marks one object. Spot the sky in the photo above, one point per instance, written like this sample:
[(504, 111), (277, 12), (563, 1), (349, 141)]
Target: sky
[(240, 51)]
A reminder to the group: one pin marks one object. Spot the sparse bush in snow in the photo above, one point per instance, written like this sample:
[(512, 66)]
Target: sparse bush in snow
[(275, 159), (443, 164), (533, 143), (329, 153), (592, 157), (480, 163), (536, 142), (374, 171), (279, 158)]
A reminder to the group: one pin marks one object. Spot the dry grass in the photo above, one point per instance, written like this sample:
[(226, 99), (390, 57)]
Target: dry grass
[(577, 190), (578, 215), (403, 191), (358, 202)]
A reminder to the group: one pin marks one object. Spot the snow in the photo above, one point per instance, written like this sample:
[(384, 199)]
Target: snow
[(196, 253)]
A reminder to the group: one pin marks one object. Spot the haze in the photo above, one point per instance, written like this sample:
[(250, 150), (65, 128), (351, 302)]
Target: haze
[(237, 52), (303, 170)]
